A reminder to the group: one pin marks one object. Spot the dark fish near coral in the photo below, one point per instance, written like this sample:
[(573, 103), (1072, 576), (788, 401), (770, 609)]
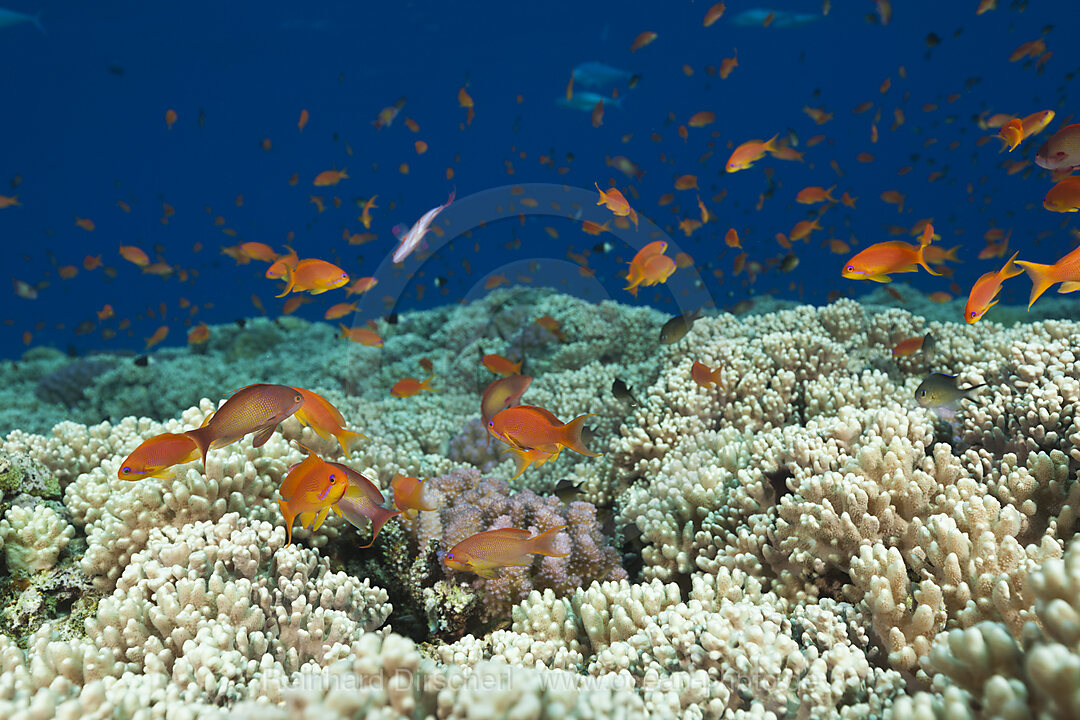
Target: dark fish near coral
[(622, 392), (567, 490), (939, 390), (677, 327)]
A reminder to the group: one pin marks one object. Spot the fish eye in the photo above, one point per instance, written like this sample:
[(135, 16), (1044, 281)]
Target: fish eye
[(850, 267), (126, 468), (922, 393), (332, 478), (972, 313), (299, 398)]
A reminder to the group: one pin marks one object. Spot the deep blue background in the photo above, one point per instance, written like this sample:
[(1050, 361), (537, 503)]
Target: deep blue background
[(83, 137)]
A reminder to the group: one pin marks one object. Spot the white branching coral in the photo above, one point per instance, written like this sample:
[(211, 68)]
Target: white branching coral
[(32, 540)]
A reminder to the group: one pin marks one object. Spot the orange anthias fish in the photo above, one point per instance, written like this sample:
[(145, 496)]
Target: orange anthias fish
[(912, 345), (134, 255), (616, 203), (410, 495), (750, 152), (528, 426), (253, 409), (488, 552), (157, 456), (330, 177), (309, 490), (1017, 130), (198, 334), (361, 335), (649, 267), (313, 276), (1065, 271), (362, 499), (277, 268), (985, 290), (503, 393), (1065, 196), (500, 365), (320, 415), (879, 260), (705, 376), (407, 387)]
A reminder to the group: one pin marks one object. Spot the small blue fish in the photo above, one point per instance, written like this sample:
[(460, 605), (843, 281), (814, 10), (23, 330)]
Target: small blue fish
[(598, 74), (756, 17), (10, 18), (586, 101)]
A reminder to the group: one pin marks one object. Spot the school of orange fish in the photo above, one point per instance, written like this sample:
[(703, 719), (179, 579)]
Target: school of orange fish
[(532, 434)]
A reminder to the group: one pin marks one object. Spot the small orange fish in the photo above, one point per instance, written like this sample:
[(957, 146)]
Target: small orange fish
[(160, 334), (985, 290), (277, 268), (713, 14), (649, 267), (592, 228), (500, 365), (410, 495), (258, 251), (701, 119), (320, 415), (616, 203), (258, 409), (362, 499), (597, 115), (488, 552), (642, 40), (365, 215), (6, 202), (528, 426), (728, 65), (879, 260), (912, 345), (67, 272), (802, 230), (157, 456), (106, 312), (339, 310), (1065, 196), (407, 387), (502, 393), (134, 255), (313, 276), (814, 194), (705, 376), (170, 118), (308, 491), (361, 286), (92, 262), (1065, 271), (750, 152), (198, 334), (85, 223), (303, 120), (361, 335), (731, 239), (330, 177)]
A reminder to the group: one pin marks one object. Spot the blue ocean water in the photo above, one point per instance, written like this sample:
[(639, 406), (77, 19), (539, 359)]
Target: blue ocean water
[(84, 127)]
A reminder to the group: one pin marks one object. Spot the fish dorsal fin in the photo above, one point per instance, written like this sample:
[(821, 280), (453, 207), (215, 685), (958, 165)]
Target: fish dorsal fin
[(296, 474), (509, 534)]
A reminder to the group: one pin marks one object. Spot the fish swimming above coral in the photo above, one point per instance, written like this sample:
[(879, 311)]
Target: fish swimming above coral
[(255, 409), (486, 553), (939, 390)]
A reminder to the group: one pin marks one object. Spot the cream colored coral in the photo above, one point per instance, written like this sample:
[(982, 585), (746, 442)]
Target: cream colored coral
[(34, 539)]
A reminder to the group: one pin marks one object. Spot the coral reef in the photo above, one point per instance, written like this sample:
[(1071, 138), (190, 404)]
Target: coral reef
[(802, 542)]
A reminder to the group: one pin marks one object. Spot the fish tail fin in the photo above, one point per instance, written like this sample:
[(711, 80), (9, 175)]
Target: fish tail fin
[(922, 261), (1042, 277), (770, 144), (970, 393), (424, 385), (950, 254), (828, 194), (571, 437), (1011, 269), (288, 521), (290, 280), (603, 197), (521, 461), (202, 439), (346, 438), (544, 543)]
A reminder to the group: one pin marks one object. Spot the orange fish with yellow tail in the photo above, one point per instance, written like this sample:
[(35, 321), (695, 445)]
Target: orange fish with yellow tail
[(488, 552), (985, 290), (314, 276), (157, 456), (500, 365), (410, 495), (749, 153), (528, 426), (320, 415), (277, 268), (362, 499), (878, 261), (255, 409), (308, 491), (1065, 271), (617, 203)]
